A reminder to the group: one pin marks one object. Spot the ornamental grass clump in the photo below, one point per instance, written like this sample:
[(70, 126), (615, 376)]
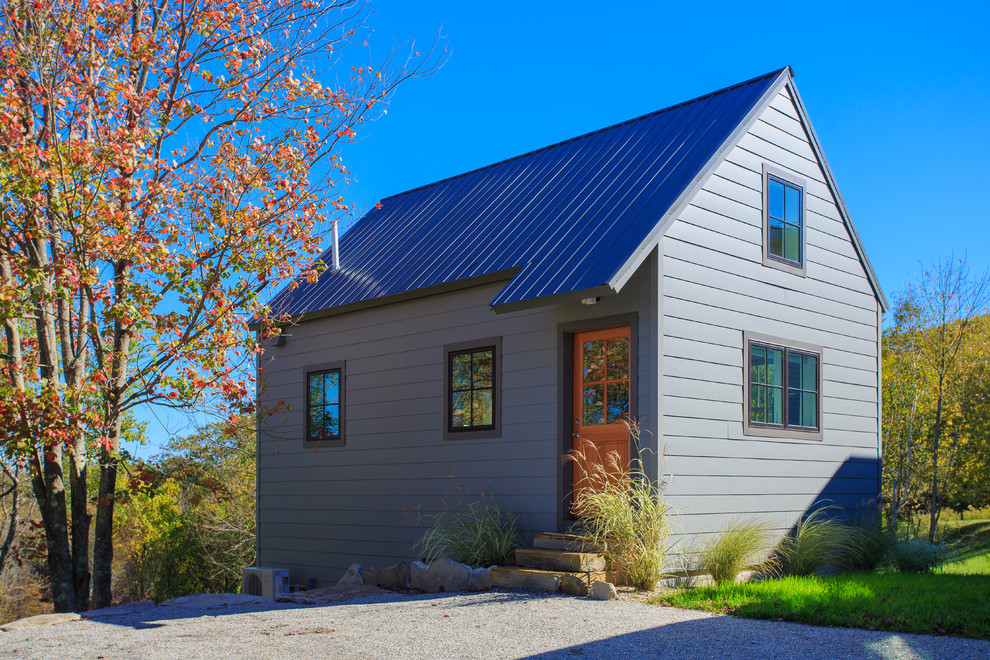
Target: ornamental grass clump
[(864, 546), (743, 543), (918, 556), (478, 534), (817, 541), (623, 511)]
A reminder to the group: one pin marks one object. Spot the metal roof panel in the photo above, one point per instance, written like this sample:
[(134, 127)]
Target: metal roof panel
[(567, 216)]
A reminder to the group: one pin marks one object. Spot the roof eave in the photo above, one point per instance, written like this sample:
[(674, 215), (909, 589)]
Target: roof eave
[(554, 299), (445, 287)]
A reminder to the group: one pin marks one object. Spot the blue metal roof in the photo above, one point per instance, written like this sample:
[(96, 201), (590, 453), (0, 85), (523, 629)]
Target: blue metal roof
[(567, 216)]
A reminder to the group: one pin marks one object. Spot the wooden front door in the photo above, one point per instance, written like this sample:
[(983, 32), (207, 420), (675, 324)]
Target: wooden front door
[(601, 434)]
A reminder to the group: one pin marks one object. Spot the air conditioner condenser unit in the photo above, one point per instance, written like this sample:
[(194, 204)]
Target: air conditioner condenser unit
[(265, 582)]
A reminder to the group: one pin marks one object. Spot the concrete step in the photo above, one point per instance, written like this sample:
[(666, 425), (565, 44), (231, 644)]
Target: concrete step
[(568, 542), (518, 577), (560, 560)]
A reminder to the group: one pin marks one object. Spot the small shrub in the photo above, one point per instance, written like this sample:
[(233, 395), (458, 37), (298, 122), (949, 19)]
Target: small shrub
[(817, 541), (479, 534), (864, 546), (623, 511), (918, 556), (726, 554)]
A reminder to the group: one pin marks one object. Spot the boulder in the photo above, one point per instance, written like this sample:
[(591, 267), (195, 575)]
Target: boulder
[(575, 586), (481, 579), (354, 577), (604, 591), (442, 575), (393, 577), (416, 572), (40, 620)]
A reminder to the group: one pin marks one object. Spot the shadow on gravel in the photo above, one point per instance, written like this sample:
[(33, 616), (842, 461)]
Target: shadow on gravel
[(157, 617), (723, 637)]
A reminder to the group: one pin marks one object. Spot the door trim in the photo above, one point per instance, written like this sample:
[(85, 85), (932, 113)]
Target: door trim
[(565, 396)]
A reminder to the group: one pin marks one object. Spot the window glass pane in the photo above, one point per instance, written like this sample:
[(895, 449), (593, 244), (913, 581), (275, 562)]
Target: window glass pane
[(809, 410), (757, 364), (316, 390), (775, 405), (757, 404), (618, 402), (481, 365), (332, 387), (793, 407), (618, 358), (775, 367), (460, 372), (331, 421), (792, 205), (594, 360), (776, 238), (593, 405), (794, 364), (482, 411), (460, 409), (775, 198), (792, 243), (315, 423), (810, 379)]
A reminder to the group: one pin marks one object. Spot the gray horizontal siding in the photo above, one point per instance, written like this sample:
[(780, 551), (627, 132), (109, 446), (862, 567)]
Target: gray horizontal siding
[(368, 501), (715, 286)]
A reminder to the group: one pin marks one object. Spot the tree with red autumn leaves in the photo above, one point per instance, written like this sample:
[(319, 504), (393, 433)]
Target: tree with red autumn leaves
[(161, 164)]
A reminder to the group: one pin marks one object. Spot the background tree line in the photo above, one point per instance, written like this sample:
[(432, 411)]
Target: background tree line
[(184, 523), (936, 396)]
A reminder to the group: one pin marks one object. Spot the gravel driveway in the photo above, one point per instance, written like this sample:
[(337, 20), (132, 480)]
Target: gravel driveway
[(487, 625)]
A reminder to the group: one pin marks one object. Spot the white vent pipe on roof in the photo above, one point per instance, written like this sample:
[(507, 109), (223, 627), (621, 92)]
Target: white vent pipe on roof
[(336, 240)]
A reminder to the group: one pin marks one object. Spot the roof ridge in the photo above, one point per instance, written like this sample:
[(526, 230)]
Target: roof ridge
[(590, 133)]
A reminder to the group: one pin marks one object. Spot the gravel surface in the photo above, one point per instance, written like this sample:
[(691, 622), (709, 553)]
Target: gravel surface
[(487, 625)]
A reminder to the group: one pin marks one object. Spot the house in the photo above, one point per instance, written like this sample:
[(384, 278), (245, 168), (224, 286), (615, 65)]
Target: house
[(694, 269)]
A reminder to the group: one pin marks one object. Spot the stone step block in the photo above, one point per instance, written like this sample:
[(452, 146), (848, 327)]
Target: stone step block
[(560, 560), (568, 542)]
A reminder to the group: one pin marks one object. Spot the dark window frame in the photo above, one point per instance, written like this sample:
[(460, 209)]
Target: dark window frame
[(772, 173), (494, 430), (340, 438), (788, 347)]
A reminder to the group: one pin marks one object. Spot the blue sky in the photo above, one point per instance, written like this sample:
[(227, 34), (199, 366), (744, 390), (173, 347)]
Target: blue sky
[(899, 94)]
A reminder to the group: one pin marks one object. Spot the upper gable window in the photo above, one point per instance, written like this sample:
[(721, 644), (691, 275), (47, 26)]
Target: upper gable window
[(783, 221)]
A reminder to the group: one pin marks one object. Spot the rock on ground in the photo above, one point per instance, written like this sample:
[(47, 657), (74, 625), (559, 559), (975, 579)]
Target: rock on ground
[(573, 586), (392, 577), (442, 575), (40, 620), (353, 577), (481, 579), (604, 591)]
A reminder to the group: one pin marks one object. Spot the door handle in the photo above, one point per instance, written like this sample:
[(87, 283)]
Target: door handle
[(575, 435)]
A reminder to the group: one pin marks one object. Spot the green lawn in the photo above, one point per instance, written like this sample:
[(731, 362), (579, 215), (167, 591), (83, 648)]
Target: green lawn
[(955, 600), (935, 604)]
